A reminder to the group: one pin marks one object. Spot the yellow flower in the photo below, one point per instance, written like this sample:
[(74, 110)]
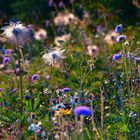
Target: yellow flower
[(62, 112)]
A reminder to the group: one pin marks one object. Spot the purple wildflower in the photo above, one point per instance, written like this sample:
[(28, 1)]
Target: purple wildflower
[(82, 110), (116, 56), (66, 89), (34, 77), (47, 77), (47, 23), (137, 60), (6, 60), (50, 3), (0, 89), (17, 71), (100, 28), (118, 28), (121, 38), (61, 4), (8, 51)]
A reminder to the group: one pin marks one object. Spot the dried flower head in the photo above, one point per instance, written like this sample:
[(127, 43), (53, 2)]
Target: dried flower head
[(110, 38), (16, 33), (41, 34), (54, 57), (92, 51), (60, 40), (65, 19)]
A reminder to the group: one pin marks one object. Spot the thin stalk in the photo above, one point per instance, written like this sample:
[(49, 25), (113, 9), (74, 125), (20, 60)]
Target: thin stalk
[(127, 75), (82, 122), (20, 82), (102, 111), (93, 123)]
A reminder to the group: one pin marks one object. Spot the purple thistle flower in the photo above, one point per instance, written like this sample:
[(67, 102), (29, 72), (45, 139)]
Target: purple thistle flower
[(66, 89), (121, 38), (34, 77), (82, 110), (116, 56), (118, 28), (6, 60)]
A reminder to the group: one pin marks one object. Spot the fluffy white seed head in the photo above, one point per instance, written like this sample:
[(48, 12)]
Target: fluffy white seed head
[(54, 57), (16, 33)]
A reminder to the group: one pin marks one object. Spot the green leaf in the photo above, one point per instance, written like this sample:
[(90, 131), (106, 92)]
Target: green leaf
[(124, 128), (88, 134), (37, 102)]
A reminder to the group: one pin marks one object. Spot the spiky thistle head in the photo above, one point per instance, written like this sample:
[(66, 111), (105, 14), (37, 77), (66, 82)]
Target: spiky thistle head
[(16, 33), (54, 57)]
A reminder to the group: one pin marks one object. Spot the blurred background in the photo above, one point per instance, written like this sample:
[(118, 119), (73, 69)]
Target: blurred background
[(37, 11)]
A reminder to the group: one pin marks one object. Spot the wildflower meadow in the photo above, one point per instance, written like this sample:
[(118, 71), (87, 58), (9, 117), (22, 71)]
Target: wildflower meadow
[(69, 70)]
